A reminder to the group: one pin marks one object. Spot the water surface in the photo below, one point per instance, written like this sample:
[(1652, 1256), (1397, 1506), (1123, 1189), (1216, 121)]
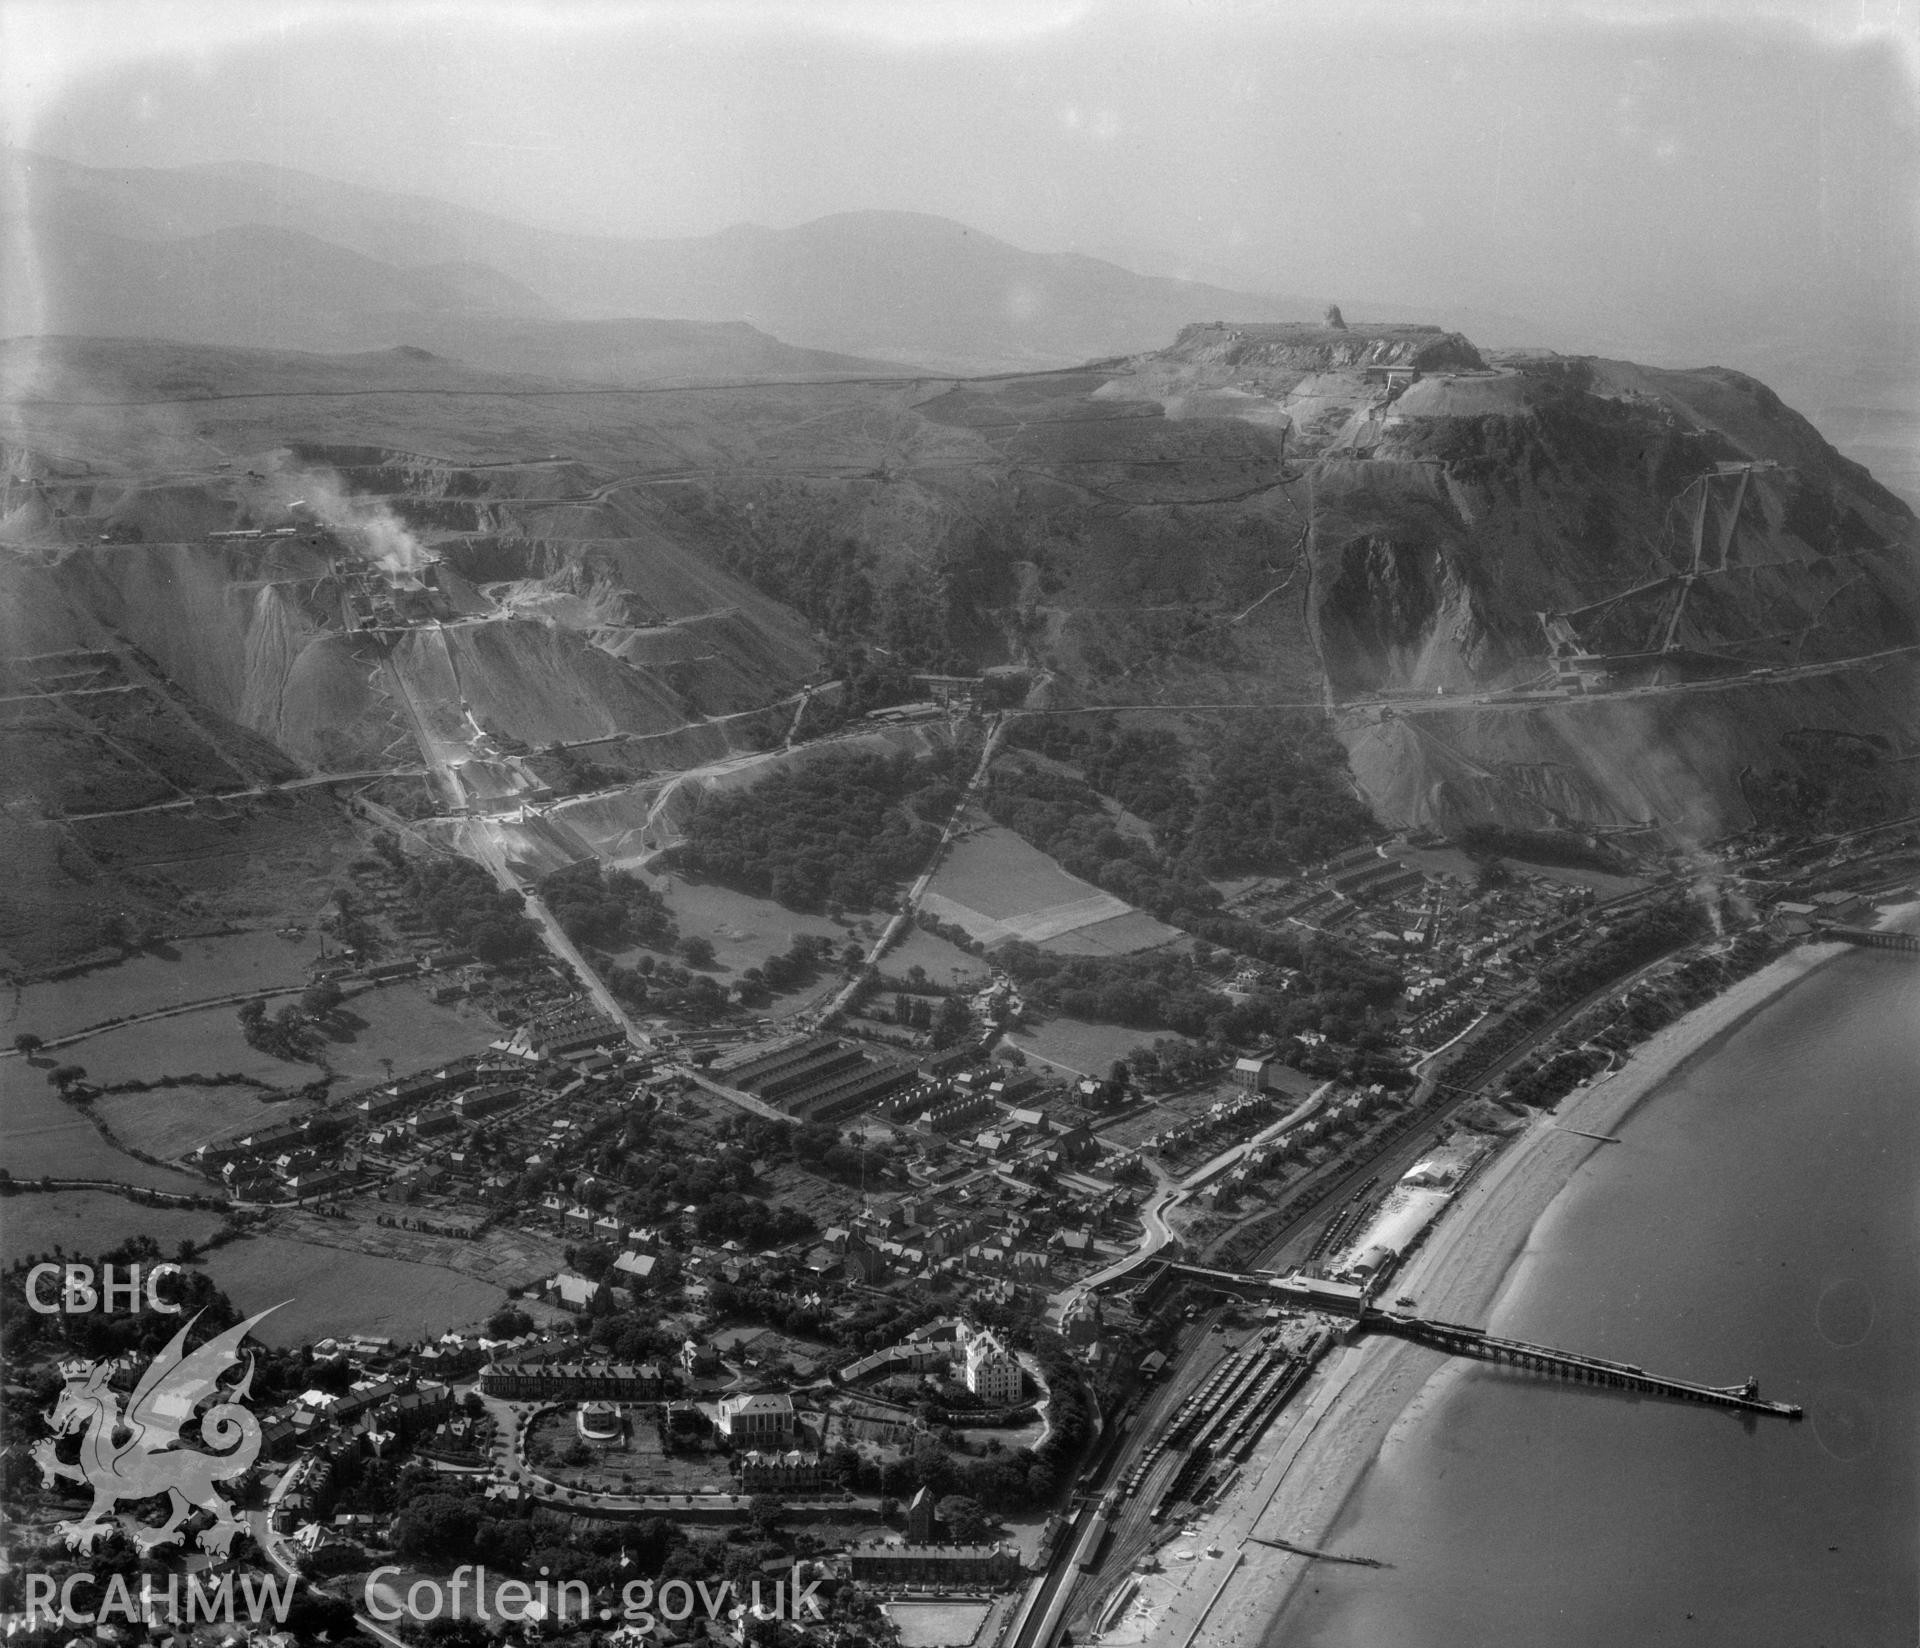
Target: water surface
[(1759, 1218)]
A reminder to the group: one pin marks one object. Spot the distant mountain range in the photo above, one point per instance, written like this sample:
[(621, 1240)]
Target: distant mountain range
[(260, 256), (265, 257)]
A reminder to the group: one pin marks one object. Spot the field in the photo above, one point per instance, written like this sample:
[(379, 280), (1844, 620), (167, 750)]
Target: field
[(1077, 1046), (405, 1025), (91, 1221), (168, 1122), (945, 962), (937, 1624), (191, 971), (998, 887), (39, 1136), (1118, 936), (995, 873), (328, 1292), (745, 930), (401, 1024), (505, 1257), (208, 1043)]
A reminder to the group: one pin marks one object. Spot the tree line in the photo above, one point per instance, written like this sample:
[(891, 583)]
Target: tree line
[(841, 832), (1267, 792)]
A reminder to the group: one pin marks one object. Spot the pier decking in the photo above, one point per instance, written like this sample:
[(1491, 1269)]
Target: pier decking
[(1872, 938), (1482, 1346), (1350, 1299)]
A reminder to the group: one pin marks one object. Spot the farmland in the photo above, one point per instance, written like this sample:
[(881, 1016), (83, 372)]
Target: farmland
[(204, 1043), (998, 887), (1118, 936), (328, 1292), (402, 1024), (91, 1221), (168, 1122), (41, 1136), (191, 970)]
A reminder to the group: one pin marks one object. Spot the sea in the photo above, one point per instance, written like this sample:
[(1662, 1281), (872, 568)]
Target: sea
[(1761, 1216)]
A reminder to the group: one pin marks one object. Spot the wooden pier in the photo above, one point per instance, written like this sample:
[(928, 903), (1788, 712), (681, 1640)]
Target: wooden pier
[(1457, 1340), (1872, 938)]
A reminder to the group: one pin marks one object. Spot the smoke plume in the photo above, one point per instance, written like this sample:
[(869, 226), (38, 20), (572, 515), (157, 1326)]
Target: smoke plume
[(365, 525)]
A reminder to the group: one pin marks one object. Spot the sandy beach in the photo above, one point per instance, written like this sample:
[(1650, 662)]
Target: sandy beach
[(1315, 1455)]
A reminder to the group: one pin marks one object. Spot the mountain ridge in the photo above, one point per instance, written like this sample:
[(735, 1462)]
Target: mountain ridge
[(1444, 529), (875, 283)]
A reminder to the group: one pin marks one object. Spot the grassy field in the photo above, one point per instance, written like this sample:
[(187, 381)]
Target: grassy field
[(994, 872), (937, 1624), (946, 963), (192, 971), (401, 1024), (1075, 1045), (404, 1024), (998, 887), (744, 930), (1118, 936), (91, 1221), (41, 1136), (208, 1043), (330, 1292), (170, 1121)]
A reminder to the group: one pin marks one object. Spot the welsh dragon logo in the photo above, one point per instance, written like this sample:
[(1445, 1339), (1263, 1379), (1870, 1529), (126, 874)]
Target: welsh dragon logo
[(140, 1454)]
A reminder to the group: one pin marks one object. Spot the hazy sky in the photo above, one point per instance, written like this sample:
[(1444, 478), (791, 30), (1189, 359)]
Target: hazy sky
[(1625, 158)]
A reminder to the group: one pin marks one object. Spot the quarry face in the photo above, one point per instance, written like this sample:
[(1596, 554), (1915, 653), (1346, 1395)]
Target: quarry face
[(1545, 593)]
